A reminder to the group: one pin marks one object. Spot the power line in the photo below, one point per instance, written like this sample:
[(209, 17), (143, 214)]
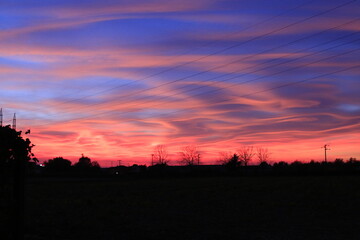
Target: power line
[(251, 56), (189, 51), (257, 70), (214, 53), (289, 84), (246, 95), (284, 85), (298, 82)]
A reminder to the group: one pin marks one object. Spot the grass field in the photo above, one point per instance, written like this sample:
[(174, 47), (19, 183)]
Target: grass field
[(195, 208)]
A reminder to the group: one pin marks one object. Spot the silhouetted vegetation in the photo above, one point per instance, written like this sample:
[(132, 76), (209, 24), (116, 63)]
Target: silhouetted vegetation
[(86, 166), (233, 162), (246, 153), (160, 155), (15, 156), (231, 165), (263, 154), (14, 149), (58, 165), (190, 156)]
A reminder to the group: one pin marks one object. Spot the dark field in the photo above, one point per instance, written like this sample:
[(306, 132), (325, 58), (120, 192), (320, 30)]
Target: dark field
[(195, 208)]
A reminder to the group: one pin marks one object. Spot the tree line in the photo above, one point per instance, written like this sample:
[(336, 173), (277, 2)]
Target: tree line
[(16, 154), (191, 155), (60, 164)]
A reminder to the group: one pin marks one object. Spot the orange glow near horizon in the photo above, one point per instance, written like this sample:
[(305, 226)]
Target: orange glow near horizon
[(108, 148)]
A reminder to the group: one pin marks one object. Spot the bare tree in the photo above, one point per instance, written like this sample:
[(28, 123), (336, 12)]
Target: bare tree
[(246, 153), (160, 155), (262, 154), (190, 155), (230, 160), (224, 157)]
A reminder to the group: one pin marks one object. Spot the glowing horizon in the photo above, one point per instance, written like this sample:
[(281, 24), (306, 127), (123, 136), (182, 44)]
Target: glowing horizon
[(112, 80)]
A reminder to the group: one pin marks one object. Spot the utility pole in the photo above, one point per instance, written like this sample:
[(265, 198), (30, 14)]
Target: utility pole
[(14, 122), (152, 159), (1, 117), (325, 150)]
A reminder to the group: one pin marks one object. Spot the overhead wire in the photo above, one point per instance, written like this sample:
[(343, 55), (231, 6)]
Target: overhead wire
[(264, 68), (244, 74), (295, 23), (209, 55), (216, 90), (185, 53)]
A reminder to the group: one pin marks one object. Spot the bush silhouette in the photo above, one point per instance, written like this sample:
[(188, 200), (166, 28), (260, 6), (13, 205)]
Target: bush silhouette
[(86, 165), (58, 164)]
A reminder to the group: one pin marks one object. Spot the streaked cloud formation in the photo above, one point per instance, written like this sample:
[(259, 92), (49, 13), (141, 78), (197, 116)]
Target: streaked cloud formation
[(112, 79)]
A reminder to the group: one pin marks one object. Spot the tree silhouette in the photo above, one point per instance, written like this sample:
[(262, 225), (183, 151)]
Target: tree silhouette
[(190, 156), (160, 155), (14, 150), (262, 154), (339, 162), (280, 165), (224, 157), (229, 160), (233, 162), (95, 164), (86, 163), (15, 154), (246, 153), (353, 162), (58, 164)]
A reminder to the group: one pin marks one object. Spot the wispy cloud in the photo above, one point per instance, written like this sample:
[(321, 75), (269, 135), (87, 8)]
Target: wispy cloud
[(113, 80)]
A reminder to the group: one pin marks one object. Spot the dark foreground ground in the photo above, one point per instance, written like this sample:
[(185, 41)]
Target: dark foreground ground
[(318, 208)]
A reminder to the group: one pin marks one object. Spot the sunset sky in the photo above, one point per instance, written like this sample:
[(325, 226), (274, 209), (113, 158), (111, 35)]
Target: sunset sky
[(113, 79)]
